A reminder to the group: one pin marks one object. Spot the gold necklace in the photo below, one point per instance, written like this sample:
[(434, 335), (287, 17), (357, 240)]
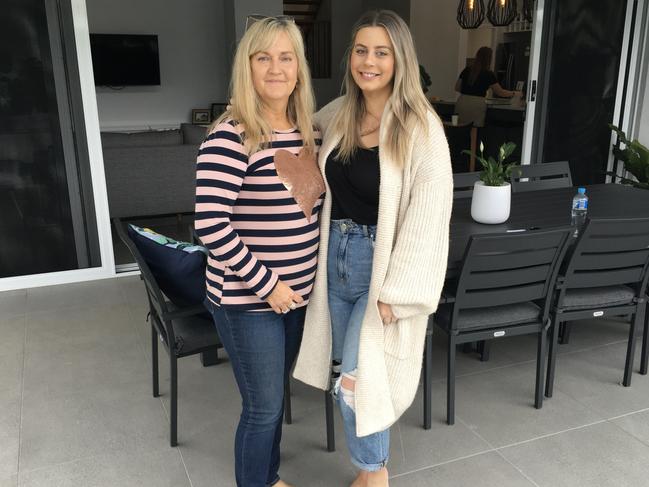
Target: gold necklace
[(370, 130)]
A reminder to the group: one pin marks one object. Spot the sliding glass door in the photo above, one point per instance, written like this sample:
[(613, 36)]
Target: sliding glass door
[(583, 54), (47, 217)]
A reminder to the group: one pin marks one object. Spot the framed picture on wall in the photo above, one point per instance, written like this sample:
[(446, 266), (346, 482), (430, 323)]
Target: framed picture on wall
[(201, 116), (217, 109)]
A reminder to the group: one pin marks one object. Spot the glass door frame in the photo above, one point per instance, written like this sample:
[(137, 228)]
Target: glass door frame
[(535, 72), (631, 77), (74, 12), (633, 73)]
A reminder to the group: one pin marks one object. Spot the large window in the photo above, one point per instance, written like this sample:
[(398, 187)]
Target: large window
[(47, 220)]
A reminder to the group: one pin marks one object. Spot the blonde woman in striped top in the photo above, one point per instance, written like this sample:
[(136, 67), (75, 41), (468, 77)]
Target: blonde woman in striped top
[(258, 199)]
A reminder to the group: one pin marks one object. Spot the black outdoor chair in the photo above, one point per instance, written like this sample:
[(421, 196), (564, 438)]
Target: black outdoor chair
[(184, 331), (329, 414), (459, 140), (547, 175), (428, 367), (463, 184), (288, 416), (504, 289), (606, 275), (644, 363)]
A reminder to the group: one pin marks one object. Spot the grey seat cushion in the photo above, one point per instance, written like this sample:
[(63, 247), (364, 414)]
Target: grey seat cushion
[(491, 316), (597, 297), (152, 138), (143, 181), (193, 134)]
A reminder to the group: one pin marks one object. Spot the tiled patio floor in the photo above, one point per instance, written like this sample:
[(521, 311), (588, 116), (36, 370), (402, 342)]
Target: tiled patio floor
[(76, 409)]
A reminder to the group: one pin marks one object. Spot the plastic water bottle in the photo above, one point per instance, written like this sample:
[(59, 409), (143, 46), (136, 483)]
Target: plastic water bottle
[(579, 209)]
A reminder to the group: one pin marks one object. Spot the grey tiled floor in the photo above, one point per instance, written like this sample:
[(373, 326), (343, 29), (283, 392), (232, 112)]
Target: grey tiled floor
[(76, 409)]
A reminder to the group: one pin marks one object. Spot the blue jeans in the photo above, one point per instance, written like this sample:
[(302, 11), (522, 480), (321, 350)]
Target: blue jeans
[(349, 270), (262, 347)]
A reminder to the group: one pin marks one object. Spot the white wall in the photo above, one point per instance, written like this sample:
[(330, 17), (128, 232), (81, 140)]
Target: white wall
[(193, 61), (401, 7), (437, 38), (243, 8), (485, 35), (343, 16)]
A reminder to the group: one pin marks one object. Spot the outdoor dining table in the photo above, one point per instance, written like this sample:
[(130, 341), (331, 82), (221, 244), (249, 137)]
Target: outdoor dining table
[(544, 209)]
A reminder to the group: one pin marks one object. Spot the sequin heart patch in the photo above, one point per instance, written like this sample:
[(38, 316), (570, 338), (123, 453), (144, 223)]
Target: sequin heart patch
[(301, 176)]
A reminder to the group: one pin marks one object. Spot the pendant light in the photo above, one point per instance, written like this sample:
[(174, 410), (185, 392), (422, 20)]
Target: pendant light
[(470, 13), (528, 10), (501, 12)]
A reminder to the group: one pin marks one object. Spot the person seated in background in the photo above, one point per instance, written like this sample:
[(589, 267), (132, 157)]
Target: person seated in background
[(476, 79), (473, 83)]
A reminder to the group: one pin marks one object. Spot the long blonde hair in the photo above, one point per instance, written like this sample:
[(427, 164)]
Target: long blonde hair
[(245, 104), (408, 106)]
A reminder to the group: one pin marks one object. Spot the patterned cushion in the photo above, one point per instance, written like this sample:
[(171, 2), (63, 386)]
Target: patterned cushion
[(597, 297), (178, 267), (488, 317)]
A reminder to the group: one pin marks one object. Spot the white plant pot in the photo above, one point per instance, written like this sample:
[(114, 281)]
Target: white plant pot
[(490, 204)]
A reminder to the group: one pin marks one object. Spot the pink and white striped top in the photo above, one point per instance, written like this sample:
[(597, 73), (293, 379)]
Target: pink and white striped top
[(254, 229)]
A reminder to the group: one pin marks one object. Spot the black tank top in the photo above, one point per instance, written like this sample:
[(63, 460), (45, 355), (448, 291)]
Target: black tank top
[(354, 185)]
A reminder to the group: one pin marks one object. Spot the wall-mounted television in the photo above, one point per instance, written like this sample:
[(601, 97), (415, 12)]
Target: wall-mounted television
[(125, 59)]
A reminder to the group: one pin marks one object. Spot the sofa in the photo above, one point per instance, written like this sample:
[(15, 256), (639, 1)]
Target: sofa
[(153, 172)]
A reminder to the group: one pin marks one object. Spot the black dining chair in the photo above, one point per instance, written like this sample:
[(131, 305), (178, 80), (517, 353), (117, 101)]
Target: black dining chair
[(459, 140), (547, 175), (463, 184), (644, 362), (504, 289), (184, 331), (428, 366), (605, 275), (288, 415)]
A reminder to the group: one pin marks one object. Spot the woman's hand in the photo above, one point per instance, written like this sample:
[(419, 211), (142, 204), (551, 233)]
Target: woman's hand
[(385, 310), (283, 299)]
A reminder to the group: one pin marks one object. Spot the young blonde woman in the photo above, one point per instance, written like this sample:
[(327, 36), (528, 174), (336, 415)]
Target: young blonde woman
[(258, 198), (385, 230)]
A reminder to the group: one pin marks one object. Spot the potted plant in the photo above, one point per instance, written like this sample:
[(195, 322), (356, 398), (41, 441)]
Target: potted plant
[(635, 158), (491, 201)]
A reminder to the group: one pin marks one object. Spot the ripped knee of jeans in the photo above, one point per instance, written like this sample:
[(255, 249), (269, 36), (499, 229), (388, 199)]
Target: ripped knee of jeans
[(347, 387)]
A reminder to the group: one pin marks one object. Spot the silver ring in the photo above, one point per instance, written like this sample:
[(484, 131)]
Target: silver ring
[(292, 305)]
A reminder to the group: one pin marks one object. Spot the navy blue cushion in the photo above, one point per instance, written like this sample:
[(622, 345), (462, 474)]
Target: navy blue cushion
[(178, 267)]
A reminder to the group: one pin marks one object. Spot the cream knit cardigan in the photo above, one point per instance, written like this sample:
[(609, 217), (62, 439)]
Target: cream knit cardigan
[(408, 270)]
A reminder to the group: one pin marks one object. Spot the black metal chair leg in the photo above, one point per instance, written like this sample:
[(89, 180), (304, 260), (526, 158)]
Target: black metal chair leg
[(329, 420), (450, 382), (428, 379), (540, 367), (645, 346), (637, 318), (485, 349), (552, 358), (173, 371), (288, 415), (211, 357), (565, 334), (154, 361)]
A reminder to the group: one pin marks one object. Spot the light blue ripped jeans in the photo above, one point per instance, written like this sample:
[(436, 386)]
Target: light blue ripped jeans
[(349, 269)]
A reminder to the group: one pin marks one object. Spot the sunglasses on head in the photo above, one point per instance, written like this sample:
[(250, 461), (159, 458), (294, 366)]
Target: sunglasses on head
[(251, 19)]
